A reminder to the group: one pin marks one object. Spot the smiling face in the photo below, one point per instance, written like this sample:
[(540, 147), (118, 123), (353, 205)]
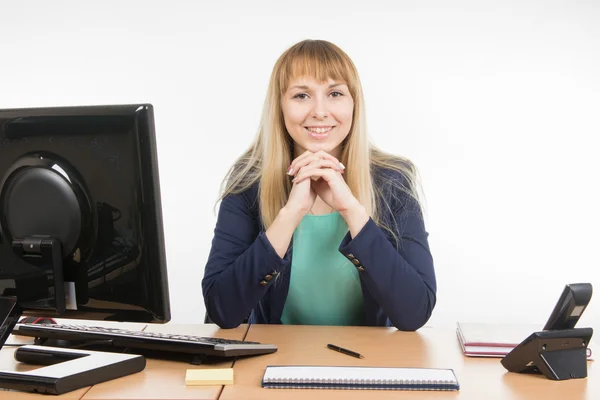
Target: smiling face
[(317, 115)]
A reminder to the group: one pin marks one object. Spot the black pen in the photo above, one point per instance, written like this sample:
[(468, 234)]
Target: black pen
[(345, 351)]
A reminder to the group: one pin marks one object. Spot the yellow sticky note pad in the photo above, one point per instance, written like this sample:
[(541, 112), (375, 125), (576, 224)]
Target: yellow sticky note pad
[(216, 376)]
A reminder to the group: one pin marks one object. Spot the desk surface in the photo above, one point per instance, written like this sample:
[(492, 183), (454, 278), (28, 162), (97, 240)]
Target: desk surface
[(166, 379), (436, 348), (479, 378)]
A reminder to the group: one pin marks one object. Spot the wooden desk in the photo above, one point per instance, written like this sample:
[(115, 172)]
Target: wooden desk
[(479, 378), (166, 379)]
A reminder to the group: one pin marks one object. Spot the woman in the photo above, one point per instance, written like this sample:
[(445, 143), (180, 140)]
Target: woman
[(316, 225)]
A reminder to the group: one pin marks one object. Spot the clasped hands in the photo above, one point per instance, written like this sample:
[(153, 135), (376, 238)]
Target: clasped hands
[(319, 174)]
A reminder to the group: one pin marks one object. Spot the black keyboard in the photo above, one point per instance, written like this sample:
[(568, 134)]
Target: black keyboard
[(164, 342)]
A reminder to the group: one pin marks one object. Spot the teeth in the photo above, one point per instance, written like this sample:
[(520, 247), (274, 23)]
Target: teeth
[(319, 130)]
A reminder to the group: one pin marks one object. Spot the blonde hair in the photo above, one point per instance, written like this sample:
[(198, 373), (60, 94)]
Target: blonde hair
[(267, 159)]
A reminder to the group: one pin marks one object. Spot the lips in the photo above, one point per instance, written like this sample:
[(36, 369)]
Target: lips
[(319, 129), (320, 132)]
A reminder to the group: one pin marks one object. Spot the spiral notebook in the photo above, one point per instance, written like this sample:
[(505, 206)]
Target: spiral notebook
[(321, 377)]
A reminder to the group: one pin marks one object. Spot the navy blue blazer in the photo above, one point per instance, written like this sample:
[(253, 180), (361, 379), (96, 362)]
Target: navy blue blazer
[(245, 277)]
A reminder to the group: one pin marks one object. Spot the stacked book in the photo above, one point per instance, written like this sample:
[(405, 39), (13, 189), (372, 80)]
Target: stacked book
[(494, 340)]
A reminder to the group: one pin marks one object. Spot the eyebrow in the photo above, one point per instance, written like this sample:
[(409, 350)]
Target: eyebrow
[(304, 87)]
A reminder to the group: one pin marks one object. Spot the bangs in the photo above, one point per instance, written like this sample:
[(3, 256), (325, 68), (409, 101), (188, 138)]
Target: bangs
[(319, 60)]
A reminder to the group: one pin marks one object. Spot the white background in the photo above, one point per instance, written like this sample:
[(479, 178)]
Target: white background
[(496, 102)]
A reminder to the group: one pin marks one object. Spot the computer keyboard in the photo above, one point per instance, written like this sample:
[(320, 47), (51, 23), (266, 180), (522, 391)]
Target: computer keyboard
[(122, 338)]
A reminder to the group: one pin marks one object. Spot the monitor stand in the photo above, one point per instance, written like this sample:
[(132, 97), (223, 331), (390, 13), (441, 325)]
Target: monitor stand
[(64, 370)]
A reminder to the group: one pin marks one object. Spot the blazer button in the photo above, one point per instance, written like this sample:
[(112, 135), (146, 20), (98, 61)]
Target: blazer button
[(263, 283), (274, 273), (351, 256), (360, 268), (355, 261), (268, 277)]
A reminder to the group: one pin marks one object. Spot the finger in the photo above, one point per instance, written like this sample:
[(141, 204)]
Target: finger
[(315, 174), (325, 155), (307, 159), (326, 173), (300, 161), (320, 163)]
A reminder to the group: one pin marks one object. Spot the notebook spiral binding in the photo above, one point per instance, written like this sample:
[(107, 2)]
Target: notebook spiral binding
[(359, 384)]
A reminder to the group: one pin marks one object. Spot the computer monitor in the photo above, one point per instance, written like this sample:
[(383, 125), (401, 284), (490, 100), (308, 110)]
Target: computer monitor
[(81, 231)]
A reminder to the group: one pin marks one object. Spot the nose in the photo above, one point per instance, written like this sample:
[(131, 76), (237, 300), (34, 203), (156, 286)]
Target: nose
[(320, 110)]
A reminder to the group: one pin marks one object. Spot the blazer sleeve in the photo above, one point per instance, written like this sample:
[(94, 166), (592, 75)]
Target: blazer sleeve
[(401, 279), (242, 263)]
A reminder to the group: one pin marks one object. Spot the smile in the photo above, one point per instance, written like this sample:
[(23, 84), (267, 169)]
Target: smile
[(319, 130)]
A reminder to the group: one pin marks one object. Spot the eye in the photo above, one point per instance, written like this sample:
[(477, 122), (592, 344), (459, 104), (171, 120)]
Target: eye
[(301, 96), (337, 94)]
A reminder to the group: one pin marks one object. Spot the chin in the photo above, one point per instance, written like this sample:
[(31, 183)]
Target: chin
[(314, 147)]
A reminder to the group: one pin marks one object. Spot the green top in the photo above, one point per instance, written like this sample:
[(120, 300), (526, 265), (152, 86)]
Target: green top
[(324, 285)]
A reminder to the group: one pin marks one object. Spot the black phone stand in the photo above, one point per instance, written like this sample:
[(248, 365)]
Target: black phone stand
[(558, 355), (64, 369)]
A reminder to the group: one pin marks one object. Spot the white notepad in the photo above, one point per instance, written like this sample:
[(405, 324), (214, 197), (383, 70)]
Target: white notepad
[(323, 377)]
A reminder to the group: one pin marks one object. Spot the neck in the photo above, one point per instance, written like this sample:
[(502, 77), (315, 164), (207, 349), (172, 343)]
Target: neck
[(320, 207)]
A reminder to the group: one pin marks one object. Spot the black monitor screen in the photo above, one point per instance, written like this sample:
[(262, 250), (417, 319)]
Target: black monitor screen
[(81, 232)]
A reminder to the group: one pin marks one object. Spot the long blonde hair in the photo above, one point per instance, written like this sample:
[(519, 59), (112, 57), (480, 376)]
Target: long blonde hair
[(271, 152)]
